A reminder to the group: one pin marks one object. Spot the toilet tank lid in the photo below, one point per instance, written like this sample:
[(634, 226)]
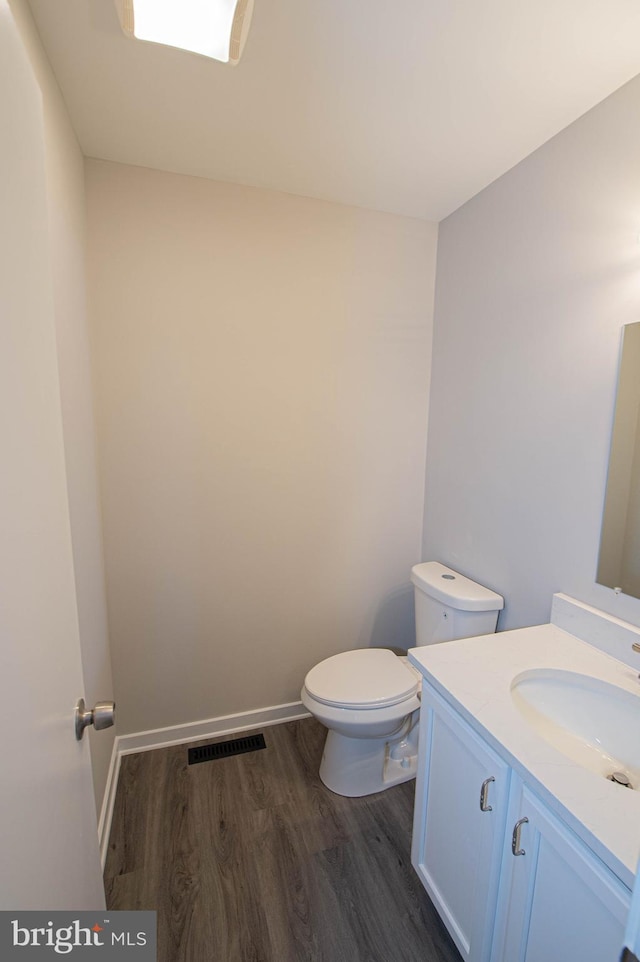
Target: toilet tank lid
[(453, 589)]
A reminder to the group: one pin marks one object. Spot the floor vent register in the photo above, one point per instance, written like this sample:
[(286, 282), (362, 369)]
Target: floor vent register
[(236, 746)]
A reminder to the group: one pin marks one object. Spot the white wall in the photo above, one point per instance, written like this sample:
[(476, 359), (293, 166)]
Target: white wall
[(536, 276), (66, 200), (261, 367)]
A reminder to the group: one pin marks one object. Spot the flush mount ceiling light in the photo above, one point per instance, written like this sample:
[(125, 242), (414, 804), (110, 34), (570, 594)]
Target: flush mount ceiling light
[(213, 28)]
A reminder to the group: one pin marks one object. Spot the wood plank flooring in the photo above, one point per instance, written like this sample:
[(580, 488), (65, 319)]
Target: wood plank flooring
[(252, 859)]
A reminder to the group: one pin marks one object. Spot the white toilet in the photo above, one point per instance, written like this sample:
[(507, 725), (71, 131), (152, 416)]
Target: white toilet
[(369, 699)]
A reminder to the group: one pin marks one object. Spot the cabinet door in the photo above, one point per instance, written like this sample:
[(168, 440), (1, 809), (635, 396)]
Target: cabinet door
[(632, 932), (557, 900), (459, 827)]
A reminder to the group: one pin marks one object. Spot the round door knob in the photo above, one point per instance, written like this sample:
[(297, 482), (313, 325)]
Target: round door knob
[(102, 716)]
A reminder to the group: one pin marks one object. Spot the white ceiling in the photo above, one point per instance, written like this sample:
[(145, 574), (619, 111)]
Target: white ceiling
[(408, 106)]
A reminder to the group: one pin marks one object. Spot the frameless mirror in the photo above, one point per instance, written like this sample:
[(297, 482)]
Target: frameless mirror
[(619, 558)]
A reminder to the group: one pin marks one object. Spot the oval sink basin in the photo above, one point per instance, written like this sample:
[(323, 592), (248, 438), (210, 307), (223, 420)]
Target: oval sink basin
[(590, 721)]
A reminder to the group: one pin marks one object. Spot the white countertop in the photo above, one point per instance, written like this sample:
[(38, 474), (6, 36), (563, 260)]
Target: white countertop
[(475, 675)]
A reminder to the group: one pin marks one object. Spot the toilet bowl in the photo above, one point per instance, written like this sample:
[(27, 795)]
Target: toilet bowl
[(369, 699)]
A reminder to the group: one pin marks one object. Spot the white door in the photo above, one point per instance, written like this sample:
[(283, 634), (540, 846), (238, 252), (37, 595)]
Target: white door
[(48, 839)]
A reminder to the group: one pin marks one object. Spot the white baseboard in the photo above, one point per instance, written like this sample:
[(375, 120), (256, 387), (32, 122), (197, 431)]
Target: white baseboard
[(178, 735), (211, 727), (108, 801)]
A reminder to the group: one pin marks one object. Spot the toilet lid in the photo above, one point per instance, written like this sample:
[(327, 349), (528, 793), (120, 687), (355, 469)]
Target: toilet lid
[(365, 678)]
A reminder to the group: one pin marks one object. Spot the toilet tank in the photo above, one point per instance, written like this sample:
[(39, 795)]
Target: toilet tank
[(450, 606)]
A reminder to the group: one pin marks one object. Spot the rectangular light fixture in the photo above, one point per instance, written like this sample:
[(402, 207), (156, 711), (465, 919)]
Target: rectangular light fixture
[(213, 28)]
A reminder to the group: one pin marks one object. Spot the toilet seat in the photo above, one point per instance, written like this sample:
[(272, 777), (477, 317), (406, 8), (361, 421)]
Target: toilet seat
[(367, 678)]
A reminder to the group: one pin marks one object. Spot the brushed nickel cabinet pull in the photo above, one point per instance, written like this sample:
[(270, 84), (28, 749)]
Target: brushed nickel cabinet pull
[(484, 794), (515, 838)]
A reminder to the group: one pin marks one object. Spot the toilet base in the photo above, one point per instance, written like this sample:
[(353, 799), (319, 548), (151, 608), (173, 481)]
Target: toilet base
[(363, 766)]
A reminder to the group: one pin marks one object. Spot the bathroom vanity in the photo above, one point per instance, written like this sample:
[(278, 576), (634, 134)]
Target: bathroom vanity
[(525, 847)]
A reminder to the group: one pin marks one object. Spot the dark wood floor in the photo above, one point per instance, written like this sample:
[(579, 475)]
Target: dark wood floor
[(252, 859)]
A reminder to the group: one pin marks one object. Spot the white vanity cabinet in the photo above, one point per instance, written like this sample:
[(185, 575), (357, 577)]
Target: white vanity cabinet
[(557, 900), (461, 801), (554, 901)]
